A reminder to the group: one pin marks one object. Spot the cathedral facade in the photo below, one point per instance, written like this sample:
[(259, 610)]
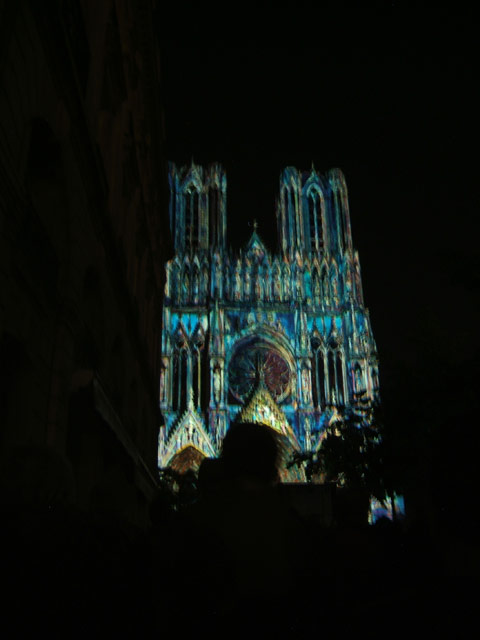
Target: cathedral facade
[(281, 339)]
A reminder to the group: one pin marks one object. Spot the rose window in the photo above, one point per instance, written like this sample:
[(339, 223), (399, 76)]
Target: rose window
[(256, 361)]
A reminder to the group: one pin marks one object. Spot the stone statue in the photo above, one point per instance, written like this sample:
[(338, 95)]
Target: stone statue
[(217, 385)]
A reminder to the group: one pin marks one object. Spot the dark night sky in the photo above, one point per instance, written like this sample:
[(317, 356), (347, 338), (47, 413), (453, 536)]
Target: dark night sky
[(390, 96)]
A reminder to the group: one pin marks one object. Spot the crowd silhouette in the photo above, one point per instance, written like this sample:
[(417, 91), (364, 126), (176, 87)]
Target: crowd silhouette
[(229, 555)]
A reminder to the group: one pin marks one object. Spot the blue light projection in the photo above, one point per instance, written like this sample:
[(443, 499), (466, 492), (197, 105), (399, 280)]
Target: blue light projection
[(386, 509), (284, 339)]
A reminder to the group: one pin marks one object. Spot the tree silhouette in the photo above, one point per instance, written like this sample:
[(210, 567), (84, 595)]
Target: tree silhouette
[(354, 453)]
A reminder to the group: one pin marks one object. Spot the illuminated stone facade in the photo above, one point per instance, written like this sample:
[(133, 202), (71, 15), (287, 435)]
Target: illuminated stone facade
[(282, 339)]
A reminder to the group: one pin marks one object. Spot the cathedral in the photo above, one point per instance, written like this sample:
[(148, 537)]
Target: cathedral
[(281, 339)]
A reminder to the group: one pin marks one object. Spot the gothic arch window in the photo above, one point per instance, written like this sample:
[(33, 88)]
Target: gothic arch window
[(339, 378), (287, 198), (277, 284), (178, 284), (341, 287), (325, 286), (237, 282), (180, 377), (185, 285), (316, 287), (308, 284), (315, 216), (358, 376), (226, 283), (336, 373), (258, 283), (286, 282), (192, 214), (298, 284), (247, 281), (198, 369), (195, 284), (204, 377), (267, 284), (318, 375), (173, 213), (337, 199), (214, 215), (164, 375), (196, 378), (204, 284), (332, 376), (294, 196), (335, 286)]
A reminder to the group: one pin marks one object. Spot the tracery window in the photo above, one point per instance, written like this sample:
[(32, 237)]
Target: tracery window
[(204, 284), (195, 285), (214, 215), (315, 214), (339, 378), (336, 374), (254, 361), (359, 381), (287, 197), (318, 375), (337, 200), (180, 378), (259, 283), (335, 289), (286, 282), (332, 377), (191, 217), (316, 287), (204, 376), (199, 371), (277, 284), (325, 286), (185, 285), (298, 284)]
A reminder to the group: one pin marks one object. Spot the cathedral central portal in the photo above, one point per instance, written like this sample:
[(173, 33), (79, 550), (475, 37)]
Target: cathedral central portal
[(279, 339)]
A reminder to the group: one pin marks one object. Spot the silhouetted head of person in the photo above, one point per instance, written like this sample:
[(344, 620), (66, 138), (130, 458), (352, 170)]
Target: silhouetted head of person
[(250, 450)]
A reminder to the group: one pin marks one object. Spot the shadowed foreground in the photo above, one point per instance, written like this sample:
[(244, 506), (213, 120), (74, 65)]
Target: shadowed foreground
[(236, 558)]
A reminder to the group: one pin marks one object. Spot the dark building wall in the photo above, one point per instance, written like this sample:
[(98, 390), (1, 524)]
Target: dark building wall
[(84, 236)]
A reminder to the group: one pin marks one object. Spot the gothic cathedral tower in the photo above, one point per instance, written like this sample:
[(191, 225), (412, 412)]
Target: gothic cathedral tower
[(281, 339)]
